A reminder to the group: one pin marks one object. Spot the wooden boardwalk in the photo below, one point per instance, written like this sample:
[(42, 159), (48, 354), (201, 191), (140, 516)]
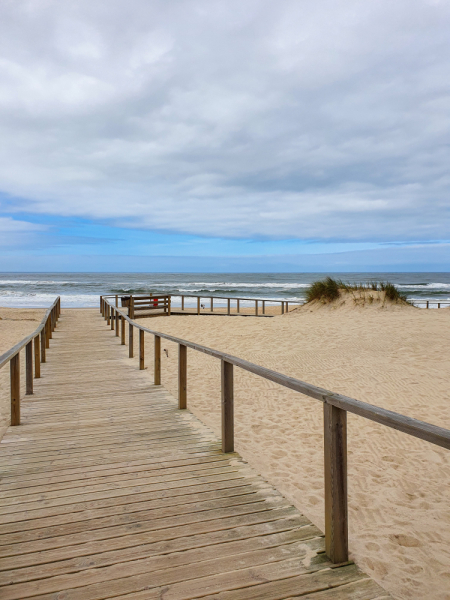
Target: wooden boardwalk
[(109, 491)]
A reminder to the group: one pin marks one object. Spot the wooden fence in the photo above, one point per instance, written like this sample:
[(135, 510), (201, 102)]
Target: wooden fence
[(256, 302), (433, 303), (335, 408), (36, 343), (165, 304)]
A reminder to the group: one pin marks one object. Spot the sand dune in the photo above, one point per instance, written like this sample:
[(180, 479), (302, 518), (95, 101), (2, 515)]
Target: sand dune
[(397, 358)]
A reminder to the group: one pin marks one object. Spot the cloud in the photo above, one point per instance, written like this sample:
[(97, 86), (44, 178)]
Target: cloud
[(15, 233), (311, 120)]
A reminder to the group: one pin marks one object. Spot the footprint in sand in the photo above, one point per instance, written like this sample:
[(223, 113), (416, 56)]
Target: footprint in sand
[(405, 540)]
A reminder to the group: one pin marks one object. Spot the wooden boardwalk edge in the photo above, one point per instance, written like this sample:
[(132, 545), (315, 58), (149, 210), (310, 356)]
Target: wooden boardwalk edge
[(107, 490)]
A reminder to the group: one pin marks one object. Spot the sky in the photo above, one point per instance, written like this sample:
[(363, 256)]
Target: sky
[(213, 135)]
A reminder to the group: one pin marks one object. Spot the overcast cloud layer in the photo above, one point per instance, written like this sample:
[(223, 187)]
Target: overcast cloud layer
[(296, 119)]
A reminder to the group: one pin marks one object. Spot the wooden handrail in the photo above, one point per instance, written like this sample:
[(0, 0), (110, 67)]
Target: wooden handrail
[(420, 429), (40, 339), (166, 299), (7, 356), (335, 408), (201, 296)]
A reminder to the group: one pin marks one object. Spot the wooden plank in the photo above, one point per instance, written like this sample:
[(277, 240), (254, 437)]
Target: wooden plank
[(335, 455), (182, 377), (166, 570), (157, 360), (37, 358), (258, 531), (14, 369), (43, 345), (48, 329), (141, 350), (363, 589), (122, 331), (29, 367), (227, 387), (130, 341)]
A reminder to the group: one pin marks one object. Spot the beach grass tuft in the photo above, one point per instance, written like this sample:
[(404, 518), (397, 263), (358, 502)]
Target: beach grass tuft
[(329, 289), (325, 290)]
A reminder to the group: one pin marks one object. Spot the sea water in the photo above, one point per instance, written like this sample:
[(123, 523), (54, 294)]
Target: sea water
[(83, 289)]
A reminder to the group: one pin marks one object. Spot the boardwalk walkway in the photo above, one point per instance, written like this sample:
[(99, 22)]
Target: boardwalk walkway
[(108, 491)]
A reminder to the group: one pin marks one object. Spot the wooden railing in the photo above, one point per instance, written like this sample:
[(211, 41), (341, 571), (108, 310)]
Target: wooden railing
[(38, 341), (258, 304), (335, 408), (431, 303)]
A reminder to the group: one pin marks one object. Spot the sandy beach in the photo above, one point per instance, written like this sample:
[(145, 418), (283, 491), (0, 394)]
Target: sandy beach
[(397, 358)]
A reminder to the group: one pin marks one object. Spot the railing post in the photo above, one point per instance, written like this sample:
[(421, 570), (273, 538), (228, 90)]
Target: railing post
[(212, 305), (256, 307), (37, 358), (157, 371), (198, 306), (130, 341), (182, 302), (263, 307), (43, 345), (141, 350), (287, 307), (101, 304), (169, 305), (48, 333), (122, 331), (29, 368), (182, 376), (117, 300), (227, 407), (112, 316), (228, 306), (14, 366), (335, 455), (117, 320), (131, 311), (108, 315), (428, 304), (282, 308), (238, 305)]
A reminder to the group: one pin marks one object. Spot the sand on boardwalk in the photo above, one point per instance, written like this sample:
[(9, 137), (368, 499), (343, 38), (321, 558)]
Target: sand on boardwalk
[(15, 324), (397, 358)]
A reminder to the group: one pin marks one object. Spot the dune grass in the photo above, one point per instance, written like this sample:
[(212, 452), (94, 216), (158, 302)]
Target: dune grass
[(326, 290), (329, 289)]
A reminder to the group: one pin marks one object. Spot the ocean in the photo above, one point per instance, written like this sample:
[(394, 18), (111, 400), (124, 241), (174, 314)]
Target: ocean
[(83, 289)]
